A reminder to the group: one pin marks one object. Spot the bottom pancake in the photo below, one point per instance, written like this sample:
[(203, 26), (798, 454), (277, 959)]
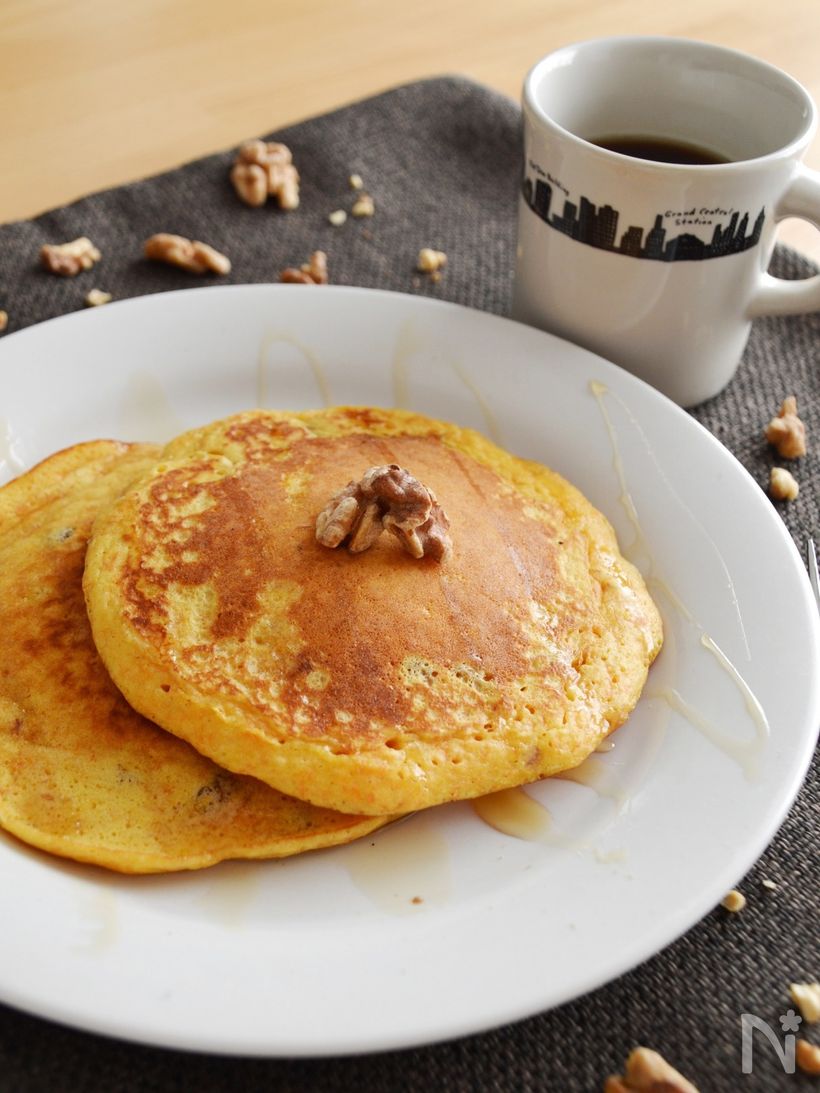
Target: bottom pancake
[(82, 775)]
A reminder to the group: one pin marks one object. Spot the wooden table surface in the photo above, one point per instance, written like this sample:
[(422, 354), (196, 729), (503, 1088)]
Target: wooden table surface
[(94, 94)]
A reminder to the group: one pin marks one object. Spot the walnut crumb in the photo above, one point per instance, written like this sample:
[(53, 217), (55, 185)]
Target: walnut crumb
[(363, 206), (806, 996), (337, 217), (187, 254), (355, 182), (733, 901), (807, 1057), (648, 1072), (69, 259), (386, 498), (312, 272), (96, 298), (782, 484), (417, 899), (4, 320), (263, 170), (786, 432), (430, 261)]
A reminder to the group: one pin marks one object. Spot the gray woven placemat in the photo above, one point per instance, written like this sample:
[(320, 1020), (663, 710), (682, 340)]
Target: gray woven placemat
[(441, 159)]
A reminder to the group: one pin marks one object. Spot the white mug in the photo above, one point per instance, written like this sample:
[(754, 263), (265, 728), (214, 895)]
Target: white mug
[(661, 266)]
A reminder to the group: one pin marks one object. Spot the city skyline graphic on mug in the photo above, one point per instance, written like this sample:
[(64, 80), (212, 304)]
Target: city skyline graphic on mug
[(598, 227)]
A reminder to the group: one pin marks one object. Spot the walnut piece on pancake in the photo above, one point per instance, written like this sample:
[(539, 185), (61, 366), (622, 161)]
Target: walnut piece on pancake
[(188, 254), (786, 432), (648, 1072), (265, 170), (69, 259), (312, 272), (386, 498)]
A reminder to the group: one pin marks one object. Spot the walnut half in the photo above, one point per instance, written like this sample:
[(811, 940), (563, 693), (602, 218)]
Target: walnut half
[(69, 259), (188, 254), (648, 1072), (386, 498), (312, 272), (262, 170)]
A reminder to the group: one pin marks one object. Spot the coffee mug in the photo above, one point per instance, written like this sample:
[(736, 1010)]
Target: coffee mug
[(660, 265)]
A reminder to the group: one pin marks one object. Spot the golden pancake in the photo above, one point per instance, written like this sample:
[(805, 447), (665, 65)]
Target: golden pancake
[(373, 682), (81, 774)]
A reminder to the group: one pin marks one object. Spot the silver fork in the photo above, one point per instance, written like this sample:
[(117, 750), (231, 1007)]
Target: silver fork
[(813, 575)]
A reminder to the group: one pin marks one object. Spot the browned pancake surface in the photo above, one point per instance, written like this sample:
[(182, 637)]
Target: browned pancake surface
[(371, 681)]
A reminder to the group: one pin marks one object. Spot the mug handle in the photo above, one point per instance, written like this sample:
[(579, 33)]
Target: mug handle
[(776, 296)]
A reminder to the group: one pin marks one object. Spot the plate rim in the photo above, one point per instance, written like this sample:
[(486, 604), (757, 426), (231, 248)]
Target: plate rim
[(746, 857)]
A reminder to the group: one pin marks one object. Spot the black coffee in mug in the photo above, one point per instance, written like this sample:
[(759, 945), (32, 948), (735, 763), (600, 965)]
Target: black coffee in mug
[(660, 149)]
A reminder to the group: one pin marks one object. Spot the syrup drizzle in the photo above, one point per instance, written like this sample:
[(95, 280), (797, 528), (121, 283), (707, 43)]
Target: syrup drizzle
[(11, 463), (507, 812), (407, 344), (596, 774), (599, 390), (263, 368), (147, 412), (403, 868), (491, 426), (515, 813), (746, 753)]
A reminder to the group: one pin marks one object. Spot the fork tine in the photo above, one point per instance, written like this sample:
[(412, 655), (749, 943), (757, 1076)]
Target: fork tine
[(813, 574)]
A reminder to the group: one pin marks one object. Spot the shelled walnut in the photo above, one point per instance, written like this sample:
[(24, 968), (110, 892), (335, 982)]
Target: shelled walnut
[(807, 997), (363, 206), (265, 170), (312, 272), (807, 1056), (187, 254), (782, 484), (733, 901), (648, 1072), (96, 297), (786, 432), (386, 498), (69, 259), (430, 261)]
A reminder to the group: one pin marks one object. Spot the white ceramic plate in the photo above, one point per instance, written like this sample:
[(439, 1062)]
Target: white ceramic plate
[(328, 953)]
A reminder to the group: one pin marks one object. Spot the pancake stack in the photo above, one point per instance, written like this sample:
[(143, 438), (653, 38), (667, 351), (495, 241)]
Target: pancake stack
[(190, 672)]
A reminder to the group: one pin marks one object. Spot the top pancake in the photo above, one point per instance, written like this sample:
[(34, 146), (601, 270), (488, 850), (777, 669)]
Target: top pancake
[(373, 682), (81, 774)]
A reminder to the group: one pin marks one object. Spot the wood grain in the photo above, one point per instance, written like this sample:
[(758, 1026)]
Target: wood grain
[(94, 94)]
